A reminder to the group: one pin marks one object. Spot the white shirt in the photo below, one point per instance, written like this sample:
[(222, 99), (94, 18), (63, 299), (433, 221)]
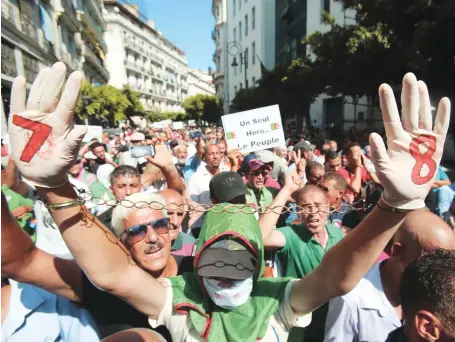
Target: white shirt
[(364, 314), (48, 237), (198, 186), (181, 329), (37, 315)]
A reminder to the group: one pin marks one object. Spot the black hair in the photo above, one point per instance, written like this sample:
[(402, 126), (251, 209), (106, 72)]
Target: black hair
[(312, 165), (97, 144), (429, 283), (331, 155), (124, 170)]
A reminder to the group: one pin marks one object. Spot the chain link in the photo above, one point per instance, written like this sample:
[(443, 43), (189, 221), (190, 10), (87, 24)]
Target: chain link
[(88, 197)]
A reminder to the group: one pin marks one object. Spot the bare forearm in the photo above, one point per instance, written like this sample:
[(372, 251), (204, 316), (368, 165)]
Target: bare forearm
[(347, 262), (442, 182), (268, 221), (95, 248), (356, 182), (23, 262), (374, 177), (173, 179)]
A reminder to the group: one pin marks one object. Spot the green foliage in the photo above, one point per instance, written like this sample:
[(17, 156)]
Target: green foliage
[(135, 107), (155, 116), (203, 107), (389, 39), (108, 102)]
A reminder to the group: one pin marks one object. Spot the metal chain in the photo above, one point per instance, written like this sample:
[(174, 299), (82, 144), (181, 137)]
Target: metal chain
[(87, 197)]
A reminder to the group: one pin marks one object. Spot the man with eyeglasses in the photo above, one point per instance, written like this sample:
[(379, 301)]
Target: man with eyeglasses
[(301, 247), (147, 237), (257, 193)]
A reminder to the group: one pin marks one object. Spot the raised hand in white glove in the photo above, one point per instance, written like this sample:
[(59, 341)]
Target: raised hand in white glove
[(407, 169), (44, 141)]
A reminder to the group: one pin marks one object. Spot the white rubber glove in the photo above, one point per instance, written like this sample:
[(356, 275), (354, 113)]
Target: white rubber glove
[(44, 142), (407, 169)]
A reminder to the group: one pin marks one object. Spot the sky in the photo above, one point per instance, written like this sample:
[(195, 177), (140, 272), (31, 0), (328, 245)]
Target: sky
[(187, 24)]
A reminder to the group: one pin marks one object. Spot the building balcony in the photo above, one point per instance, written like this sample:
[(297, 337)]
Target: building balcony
[(8, 64), (92, 58), (70, 12), (213, 35), (91, 28), (68, 59), (29, 30)]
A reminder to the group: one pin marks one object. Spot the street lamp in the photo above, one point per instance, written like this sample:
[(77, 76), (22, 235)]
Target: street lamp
[(235, 49)]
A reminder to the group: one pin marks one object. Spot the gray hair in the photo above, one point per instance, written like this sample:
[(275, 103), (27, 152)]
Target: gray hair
[(131, 204)]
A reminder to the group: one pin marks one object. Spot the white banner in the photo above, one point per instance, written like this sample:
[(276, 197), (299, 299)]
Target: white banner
[(177, 125), (254, 130), (93, 132)]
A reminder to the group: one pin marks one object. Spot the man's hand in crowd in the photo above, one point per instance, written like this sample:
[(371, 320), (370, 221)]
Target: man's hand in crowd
[(292, 182), (200, 145), (41, 129), (234, 157), (20, 212), (162, 157)]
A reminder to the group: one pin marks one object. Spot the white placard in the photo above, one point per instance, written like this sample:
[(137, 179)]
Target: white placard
[(93, 132), (161, 124), (177, 125), (254, 130)]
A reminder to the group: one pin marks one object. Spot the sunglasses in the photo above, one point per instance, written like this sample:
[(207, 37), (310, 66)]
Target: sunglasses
[(258, 172), (137, 233)]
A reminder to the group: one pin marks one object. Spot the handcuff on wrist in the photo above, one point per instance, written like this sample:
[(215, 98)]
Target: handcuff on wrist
[(393, 209), (60, 206)]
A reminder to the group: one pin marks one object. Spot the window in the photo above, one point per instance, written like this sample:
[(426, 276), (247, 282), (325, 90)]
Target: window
[(253, 53), (246, 84), (241, 86), (293, 48), (240, 31), (253, 18), (246, 25), (235, 35), (233, 2), (217, 12), (246, 58), (235, 71), (325, 6), (235, 89), (240, 5), (254, 81)]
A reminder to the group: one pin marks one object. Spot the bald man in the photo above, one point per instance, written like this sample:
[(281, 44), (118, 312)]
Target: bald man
[(373, 309), (176, 207)]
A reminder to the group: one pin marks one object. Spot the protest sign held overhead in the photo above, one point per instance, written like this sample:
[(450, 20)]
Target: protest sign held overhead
[(254, 130)]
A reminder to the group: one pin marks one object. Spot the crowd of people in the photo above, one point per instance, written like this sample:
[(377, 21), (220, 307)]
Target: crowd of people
[(321, 239)]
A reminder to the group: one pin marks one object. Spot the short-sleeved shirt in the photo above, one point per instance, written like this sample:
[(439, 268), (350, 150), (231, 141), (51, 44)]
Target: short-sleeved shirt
[(440, 176), (349, 176), (181, 329), (302, 254)]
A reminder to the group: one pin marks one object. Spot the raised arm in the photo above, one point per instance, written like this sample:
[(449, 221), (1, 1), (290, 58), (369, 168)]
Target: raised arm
[(24, 262), (97, 251), (405, 187), (163, 160), (267, 221)]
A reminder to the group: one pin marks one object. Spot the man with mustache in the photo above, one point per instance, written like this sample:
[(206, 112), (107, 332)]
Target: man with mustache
[(226, 298), (24, 262)]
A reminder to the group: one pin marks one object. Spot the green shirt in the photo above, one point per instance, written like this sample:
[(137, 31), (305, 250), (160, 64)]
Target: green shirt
[(16, 200), (302, 253)]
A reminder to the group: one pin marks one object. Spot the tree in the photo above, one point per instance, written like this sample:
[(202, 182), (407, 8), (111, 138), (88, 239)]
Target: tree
[(203, 107), (389, 39), (135, 107), (107, 102)]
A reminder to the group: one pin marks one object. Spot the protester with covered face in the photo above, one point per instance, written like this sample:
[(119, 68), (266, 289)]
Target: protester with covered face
[(227, 302)]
